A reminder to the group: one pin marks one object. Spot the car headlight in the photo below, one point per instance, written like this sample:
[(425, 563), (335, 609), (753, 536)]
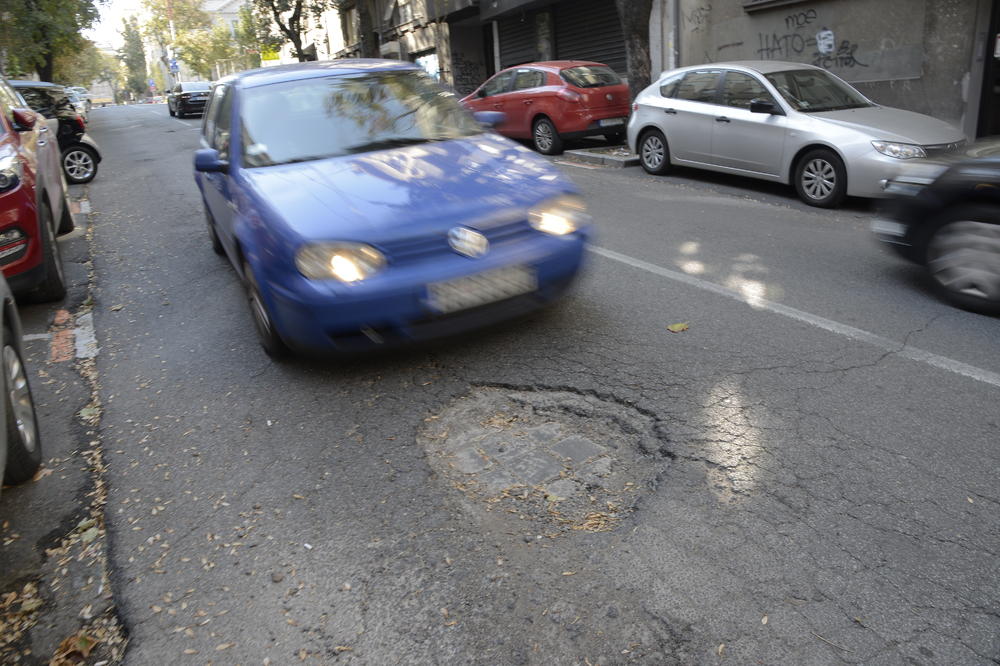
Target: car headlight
[(559, 216), (347, 262), (10, 173), (902, 151)]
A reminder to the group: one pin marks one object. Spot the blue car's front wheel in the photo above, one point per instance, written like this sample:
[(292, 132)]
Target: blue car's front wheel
[(269, 338)]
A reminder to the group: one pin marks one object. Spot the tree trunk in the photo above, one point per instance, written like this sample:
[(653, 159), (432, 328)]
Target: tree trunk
[(48, 65), (366, 31), (634, 16)]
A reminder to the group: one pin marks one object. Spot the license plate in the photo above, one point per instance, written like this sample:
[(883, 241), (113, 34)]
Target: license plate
[(475, 290), (608, 122)]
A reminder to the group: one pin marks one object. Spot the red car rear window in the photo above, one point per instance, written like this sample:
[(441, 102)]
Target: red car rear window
[(590, 76)]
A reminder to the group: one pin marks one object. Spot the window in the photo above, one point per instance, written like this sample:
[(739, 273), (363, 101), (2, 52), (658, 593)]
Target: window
[(222, 121), (669, 87), (811, 90), (9, 100), (498, 84), (208, 117), (590, 76), (528, 78), (699, 86), (740, 89)]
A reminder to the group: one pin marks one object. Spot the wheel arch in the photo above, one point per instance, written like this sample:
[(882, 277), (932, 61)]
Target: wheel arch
[(646, 129), (794, 162)]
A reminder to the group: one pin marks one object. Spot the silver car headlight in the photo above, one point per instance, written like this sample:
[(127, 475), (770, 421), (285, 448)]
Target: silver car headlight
[(559, 216), (347, 262), (902, 151)]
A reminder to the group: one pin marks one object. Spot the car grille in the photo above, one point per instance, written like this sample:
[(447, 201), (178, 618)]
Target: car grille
[(416, 248), (937, 149)]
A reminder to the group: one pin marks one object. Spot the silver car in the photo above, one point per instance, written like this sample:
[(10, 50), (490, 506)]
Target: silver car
[(780, 121)]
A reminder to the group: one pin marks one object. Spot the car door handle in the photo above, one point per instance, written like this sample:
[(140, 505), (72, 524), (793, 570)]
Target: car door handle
[(722, 119), (670, 111)]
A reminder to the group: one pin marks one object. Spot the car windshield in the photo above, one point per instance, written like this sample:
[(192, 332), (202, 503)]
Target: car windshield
[(311, 119), (814, 90), (590, 76), (196, 87)]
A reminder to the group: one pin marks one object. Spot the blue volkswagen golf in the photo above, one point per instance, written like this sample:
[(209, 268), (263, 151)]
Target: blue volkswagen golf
[(363, 206)]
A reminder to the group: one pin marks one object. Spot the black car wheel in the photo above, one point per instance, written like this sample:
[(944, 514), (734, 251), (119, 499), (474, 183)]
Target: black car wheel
[(654, 155), (53, 285), (24, 452), (963, 258), (821, 179), (546, 138), (79, 164), (269, 339), (170, 109)]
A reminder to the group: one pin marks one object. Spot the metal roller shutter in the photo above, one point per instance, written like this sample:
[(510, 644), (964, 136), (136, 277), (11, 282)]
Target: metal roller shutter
[(590, 30), (517, 40)]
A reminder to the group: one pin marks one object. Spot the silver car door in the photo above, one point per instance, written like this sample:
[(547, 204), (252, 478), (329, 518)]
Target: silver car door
[(694, 111), (745, 140)]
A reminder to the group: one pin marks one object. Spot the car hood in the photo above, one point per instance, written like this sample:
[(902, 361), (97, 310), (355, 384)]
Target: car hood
[(888, 124), (406, 191)]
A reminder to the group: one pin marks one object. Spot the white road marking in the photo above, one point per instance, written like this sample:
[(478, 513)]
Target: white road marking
[(86, 338), (576, 164), (912, 353)]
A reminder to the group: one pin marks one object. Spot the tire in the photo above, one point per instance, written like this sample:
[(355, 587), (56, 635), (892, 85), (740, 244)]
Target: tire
[(545, 137), (179, 113), (53, 285), (24, 451), (615, 138), (962, 256), (79, 163), (821, 179), (269, 339), (170, 110), (66, 223), (654, 152), (213, 234)]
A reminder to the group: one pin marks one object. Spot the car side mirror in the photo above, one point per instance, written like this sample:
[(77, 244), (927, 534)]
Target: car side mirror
[(480, 93), (490, 118), (764, 106), (24, 119), (207, 160)]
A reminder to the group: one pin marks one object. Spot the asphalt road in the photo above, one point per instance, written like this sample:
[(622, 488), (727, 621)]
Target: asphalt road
[(813, 461)]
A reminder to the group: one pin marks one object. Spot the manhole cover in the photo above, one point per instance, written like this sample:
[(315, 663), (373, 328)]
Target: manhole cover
[(571, 461)]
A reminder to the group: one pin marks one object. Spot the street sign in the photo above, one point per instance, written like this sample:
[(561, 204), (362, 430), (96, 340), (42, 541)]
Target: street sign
[(174, 67)]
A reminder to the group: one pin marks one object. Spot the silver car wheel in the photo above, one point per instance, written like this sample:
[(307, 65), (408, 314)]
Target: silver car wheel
[(819, 179), (964, 258), (652, 152), (543, 136), (19, 398), (79, 164)]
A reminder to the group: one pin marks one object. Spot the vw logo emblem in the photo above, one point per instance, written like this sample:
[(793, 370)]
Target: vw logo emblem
[(467, 242)]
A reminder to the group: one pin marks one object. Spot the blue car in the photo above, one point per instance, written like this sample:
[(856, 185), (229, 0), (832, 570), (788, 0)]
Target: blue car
[(363, 206)]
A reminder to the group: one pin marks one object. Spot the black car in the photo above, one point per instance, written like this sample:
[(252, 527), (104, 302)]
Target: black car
[(80, 154), (188, 97), (945, 215)]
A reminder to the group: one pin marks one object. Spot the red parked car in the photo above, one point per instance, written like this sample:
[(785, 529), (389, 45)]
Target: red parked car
[(548, 102), (33, 204)]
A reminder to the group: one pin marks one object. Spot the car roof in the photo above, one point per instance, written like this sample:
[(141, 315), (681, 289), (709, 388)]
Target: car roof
[(316, 69), (559, 65), (758, 66), (22, 83)]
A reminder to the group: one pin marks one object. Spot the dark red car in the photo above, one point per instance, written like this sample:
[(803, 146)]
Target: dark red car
[(548, 102), (33, 204)]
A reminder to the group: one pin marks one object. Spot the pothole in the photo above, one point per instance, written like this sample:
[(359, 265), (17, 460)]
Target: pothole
[(546, 458)]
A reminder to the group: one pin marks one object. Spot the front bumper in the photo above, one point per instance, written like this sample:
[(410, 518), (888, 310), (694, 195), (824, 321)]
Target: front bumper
[(392, 308)]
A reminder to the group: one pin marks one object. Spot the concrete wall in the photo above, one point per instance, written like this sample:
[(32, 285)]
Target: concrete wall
[(913, 54)]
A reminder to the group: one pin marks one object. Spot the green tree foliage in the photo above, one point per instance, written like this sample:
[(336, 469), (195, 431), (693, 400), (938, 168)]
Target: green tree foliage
[(34, 33), (80, 67), (292, 18), (202, 49), (184, 15), (133, 57), (252, 36)]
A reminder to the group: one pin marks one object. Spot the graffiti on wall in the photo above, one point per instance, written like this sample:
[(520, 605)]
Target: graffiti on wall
[(697, 19), (466, 74), (798, 42)]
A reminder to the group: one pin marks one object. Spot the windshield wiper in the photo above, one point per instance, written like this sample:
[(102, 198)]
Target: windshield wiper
[(392, 142)]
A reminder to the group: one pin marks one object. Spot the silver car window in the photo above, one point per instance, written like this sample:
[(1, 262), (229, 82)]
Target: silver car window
[(740, 89), (814, 90), (669, 87), (699, 86)]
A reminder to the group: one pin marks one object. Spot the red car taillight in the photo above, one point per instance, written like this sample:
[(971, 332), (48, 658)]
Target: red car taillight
[(79, 122), (568, 95)]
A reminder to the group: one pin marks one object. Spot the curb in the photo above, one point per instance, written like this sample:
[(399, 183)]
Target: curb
[(586, 156)]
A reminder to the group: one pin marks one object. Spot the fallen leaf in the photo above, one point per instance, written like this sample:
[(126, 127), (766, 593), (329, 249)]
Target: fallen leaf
[(88, 535), (190, 651), (569, 573), (224, 646), (116, 308), (297, 496), (42, 473), (303, 654), (678, 328), (970, 500), (720, 649), (763, 620), (342, 648)]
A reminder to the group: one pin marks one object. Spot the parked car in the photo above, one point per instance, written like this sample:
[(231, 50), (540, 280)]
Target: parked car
[(84, 94), (33, 203), (780, 121), (549, 102), (80, 154), (188, 97), (378, 210), (945, 216), (20, 448)]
